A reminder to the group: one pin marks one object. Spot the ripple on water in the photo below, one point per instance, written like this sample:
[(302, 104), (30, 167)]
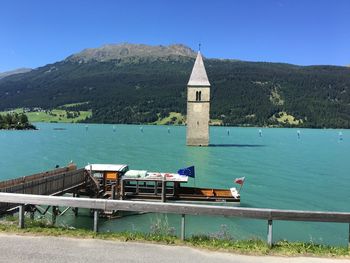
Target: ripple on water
[(281, 170)]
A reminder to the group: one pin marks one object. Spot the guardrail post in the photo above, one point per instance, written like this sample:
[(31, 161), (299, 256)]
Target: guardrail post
[(183, 227), (349, 238), (21, 216), (269, 233), (75, 209), (95, 221)]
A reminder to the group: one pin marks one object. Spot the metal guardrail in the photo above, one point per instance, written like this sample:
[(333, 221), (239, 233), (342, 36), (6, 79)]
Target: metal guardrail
[(175, 208)]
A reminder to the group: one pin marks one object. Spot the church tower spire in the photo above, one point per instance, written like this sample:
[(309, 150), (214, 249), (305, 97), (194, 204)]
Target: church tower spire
[(199, 75), (198, 105)]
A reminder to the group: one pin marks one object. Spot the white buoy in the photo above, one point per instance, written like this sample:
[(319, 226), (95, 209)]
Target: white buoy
[(86, 127), (113, 128), (260, 133), (168, 130), (340, 136), (298, 133), (141, 129)]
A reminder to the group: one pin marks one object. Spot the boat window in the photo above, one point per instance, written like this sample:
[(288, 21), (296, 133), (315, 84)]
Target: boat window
[(150, 184), (124, 170), (129, 183), (170, 185), (98, 175)]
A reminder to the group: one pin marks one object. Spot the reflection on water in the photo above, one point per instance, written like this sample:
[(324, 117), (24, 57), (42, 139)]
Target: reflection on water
[(236, 145)]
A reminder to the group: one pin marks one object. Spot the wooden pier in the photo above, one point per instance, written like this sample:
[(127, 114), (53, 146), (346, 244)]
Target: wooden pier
[(56, 182)]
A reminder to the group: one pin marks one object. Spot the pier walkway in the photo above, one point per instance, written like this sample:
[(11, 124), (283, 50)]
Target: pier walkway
[(55, 182)]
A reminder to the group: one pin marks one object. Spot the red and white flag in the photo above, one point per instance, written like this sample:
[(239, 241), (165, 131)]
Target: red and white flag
[(239, 180)]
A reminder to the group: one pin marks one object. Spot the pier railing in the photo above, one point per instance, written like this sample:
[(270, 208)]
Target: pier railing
[(54, 182), (175, 208), (33, 177)]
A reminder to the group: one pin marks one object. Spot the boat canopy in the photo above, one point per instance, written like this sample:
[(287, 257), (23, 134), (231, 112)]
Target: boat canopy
[(107, 167), (140, 175)]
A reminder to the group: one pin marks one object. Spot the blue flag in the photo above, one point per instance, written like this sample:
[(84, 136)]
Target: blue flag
[(189, 171)]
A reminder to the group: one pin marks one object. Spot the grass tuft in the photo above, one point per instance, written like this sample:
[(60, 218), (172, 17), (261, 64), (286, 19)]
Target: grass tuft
[(161, 234)]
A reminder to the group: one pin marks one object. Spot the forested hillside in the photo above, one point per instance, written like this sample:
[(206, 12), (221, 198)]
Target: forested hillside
[(136, 88)]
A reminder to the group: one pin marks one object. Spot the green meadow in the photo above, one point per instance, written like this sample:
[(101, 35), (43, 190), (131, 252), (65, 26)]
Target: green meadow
[(55, 115)]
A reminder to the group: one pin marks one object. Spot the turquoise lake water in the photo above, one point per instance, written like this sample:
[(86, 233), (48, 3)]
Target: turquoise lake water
[(282, 171)]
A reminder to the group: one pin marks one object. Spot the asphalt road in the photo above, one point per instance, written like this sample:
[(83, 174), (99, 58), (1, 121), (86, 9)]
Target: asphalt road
[(36, 249)]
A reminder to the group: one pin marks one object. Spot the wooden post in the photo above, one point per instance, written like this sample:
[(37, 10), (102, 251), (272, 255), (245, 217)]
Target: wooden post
[(121, 189), (31, 212), (75, 211), (183, 227), (95, 221), (63, 181), (21, 216), (113, 191), (31, 215), (163, 189), (269, 233), (54, 214), (117, 190)]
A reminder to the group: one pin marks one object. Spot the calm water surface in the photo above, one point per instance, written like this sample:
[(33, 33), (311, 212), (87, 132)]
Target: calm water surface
[(282, 171)]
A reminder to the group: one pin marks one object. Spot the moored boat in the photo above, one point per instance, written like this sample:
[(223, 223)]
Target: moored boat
[(117, 181)]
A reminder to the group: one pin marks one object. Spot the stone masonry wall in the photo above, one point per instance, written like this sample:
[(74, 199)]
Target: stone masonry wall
[(198, 117)]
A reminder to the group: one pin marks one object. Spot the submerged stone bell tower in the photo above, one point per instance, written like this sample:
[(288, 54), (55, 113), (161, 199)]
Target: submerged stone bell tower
[(198, 105)]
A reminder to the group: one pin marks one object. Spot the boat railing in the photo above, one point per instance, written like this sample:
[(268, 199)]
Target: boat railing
[(147, 187)]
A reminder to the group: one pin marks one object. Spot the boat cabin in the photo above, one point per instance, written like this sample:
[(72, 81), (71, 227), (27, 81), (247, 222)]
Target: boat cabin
[(117, 181)]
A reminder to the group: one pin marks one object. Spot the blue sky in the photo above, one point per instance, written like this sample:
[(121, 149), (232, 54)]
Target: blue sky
[(305, 32)]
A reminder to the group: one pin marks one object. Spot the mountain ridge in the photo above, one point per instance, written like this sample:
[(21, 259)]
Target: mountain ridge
[(13, 72), (126, 50), (142, 89)]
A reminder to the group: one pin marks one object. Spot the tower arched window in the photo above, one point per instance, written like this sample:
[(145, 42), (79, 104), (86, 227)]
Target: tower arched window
[(198, 95)]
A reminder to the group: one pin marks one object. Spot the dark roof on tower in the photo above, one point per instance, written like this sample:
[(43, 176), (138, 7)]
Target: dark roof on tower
[(199, 75)]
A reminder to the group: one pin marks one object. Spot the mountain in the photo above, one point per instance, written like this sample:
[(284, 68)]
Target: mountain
[(12, 72), (129, 83), (125, 50)]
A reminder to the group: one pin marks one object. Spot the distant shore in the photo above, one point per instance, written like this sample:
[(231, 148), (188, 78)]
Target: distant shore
[(15, 121), (62, 115)]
